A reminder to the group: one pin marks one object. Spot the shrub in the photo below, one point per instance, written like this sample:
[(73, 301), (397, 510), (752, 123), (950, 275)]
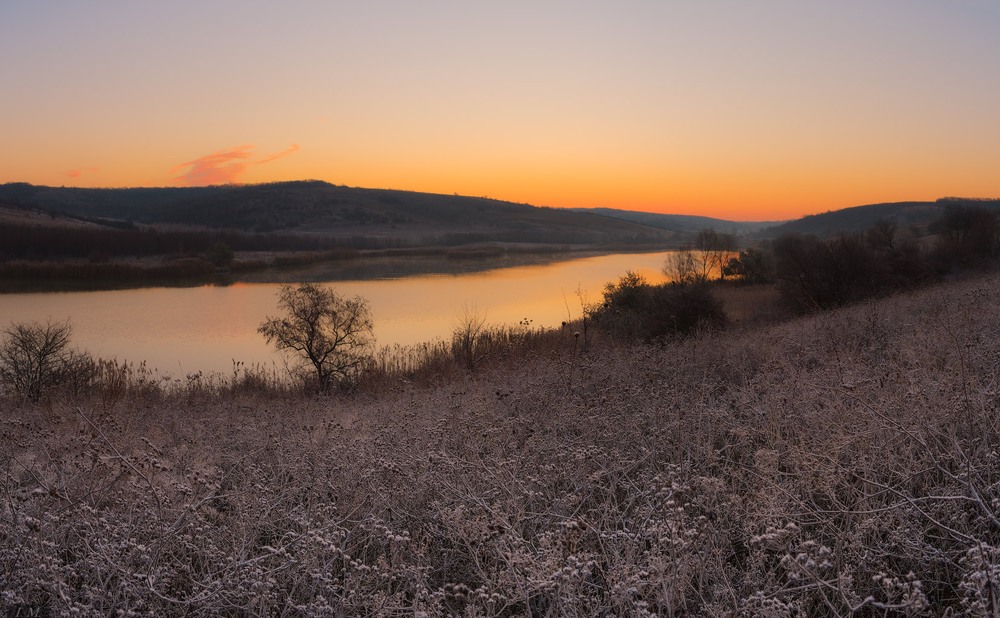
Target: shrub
[(968, 235), (633, 308), (751, 266), (35, 357), (685, 309), (814, 274)]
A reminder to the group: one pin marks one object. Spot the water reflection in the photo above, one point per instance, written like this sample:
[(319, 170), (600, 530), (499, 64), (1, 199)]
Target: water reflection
[(397, 267), (182, 330)]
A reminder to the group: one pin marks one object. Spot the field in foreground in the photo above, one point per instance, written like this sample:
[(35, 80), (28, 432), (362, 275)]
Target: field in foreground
[(841, 464)]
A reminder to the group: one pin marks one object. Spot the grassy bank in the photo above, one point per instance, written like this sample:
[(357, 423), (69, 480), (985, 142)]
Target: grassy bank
[(836, 464)]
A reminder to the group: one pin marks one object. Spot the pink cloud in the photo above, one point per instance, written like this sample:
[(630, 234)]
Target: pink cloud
[(224, 166), (284, 153), (218, 168)]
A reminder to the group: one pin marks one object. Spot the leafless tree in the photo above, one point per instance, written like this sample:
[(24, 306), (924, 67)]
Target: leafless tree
[(466, 336), (882, 235), (35, 356), (331, 333), (702, 260), (683, 267)]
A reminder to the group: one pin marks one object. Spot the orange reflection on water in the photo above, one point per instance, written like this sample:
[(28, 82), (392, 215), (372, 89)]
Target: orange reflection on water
[(183, 330)]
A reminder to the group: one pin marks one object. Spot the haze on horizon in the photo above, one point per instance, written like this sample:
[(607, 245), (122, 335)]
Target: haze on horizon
[(764, 110)]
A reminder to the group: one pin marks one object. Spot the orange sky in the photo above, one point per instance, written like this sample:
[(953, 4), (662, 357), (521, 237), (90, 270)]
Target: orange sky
[(763, 110)]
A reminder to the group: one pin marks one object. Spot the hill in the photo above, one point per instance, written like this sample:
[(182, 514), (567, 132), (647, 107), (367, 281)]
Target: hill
[(681, 224), (845, 220), (320, 208), (385, 217), (860, 218)]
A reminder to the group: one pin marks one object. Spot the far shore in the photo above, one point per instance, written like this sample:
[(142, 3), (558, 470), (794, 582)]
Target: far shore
[(19, 276)]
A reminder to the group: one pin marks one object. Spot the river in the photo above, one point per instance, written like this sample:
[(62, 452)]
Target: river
[(178, 331)]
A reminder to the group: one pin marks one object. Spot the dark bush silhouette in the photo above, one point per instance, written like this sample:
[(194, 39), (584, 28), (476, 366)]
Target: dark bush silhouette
[(816, 274), (752, 266), (35, 357), (633, 308), (969, 236), (681, 310)]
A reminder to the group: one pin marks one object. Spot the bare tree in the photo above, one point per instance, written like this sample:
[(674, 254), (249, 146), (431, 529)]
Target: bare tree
[(329, 332), (713, 250), (683, 267), (36, 356), (882, 235), (702, 260), (467, 335)]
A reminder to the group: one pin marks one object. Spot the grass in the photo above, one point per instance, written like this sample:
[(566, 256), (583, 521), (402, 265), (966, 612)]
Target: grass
[(844, 463)]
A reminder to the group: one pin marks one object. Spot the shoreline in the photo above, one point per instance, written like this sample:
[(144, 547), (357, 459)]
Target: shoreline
[(25, 276)]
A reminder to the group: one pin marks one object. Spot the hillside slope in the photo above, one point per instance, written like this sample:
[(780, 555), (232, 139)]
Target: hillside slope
[(860, 218), (314, 207), (684, 224), (845, 220)]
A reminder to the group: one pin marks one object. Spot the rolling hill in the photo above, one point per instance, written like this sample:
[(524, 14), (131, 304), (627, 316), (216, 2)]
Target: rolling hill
[(845, 220), (914, 215), (681, 224), (320, 208)]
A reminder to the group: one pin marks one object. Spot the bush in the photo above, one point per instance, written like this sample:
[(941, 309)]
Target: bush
[(633, 308), (751, 266), (968, 235), (36, 357), (814, 274), (682, 310)]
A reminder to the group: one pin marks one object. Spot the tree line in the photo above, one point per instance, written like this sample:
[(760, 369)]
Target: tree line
[(810, 273), (25, 242), (815, 274)]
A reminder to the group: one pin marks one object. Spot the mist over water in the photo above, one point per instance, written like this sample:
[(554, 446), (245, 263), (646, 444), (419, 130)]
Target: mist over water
[(184, 330)]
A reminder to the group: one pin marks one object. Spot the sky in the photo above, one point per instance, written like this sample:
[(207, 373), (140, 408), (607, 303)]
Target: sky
[(759, 110)]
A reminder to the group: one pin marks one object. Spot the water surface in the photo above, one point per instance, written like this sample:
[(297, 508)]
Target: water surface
[(183, 330)]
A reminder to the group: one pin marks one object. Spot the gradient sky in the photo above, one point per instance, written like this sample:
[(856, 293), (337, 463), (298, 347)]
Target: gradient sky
[(748, 110)]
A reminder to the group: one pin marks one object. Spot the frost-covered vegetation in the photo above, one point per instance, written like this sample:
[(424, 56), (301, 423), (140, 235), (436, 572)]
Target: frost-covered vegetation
[(845, 462)]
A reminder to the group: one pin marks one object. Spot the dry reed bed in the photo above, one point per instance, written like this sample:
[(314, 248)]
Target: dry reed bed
[(844, 463)]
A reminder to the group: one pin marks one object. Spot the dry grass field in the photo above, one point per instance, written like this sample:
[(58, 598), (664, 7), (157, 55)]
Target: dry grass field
[(842, 464)]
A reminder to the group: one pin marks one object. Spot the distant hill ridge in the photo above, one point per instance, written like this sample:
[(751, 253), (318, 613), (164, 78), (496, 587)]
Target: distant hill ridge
[(686, 224), (320, 208), (860, 218), (845, 220)]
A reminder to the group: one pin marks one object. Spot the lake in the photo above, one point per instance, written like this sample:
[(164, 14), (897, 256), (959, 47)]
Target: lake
[(179, 331)]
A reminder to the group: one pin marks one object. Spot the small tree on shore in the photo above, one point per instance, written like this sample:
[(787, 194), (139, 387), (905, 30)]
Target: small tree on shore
[(36, 356), (331, 333), (702, 260)]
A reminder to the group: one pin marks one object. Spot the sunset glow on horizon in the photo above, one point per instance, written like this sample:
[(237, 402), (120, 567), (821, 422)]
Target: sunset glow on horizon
[(753, 111)]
